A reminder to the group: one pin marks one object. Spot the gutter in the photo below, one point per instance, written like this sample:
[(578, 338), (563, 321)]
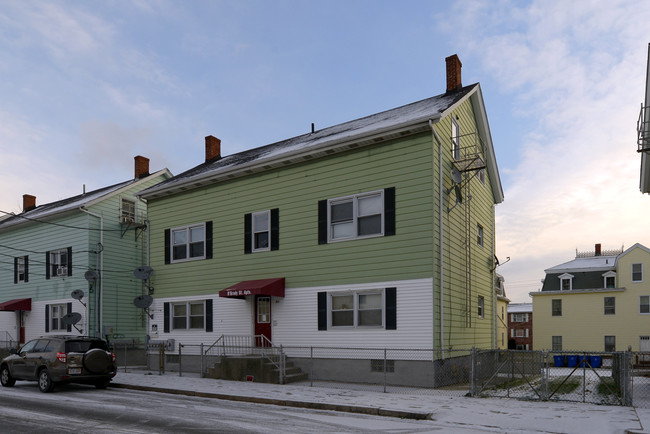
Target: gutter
[(441, 238), (99, 297)]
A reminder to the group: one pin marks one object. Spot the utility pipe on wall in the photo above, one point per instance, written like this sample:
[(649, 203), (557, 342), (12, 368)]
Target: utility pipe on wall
[(441, 237), (99, 311)]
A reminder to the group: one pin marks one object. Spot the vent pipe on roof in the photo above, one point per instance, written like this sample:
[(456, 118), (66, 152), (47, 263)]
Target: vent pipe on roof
[(597, 250), (454, 81), (212, 148), (29, 202)]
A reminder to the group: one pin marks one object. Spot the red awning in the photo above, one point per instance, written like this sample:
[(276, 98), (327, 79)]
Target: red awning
[(17, 304), (271, 287)]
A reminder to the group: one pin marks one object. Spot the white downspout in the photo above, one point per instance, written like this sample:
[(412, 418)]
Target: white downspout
[(99, 307), (441, 237)]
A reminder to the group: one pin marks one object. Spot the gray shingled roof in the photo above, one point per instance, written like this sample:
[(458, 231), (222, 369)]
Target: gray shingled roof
[(310, 145)]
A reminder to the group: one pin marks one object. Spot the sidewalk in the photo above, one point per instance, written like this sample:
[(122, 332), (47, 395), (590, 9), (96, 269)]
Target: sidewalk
[(483, 414)]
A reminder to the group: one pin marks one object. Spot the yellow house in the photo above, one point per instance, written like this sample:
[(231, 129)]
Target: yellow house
[(600, 301)]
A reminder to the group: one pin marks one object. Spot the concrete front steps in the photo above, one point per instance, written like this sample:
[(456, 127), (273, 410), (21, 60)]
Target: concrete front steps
[(254, 368)]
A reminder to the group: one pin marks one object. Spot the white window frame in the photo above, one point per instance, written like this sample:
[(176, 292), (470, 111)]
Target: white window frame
[(481, 306), (355, 198), (519, 317), (57, 312), (255, 230), (480, 235), (356, 309), (188, 315), (638, 272), (607, 276), (646, 304), (57, 267), (564, 277), (20, 269), (481, 175), (128, 215), (188, 243), (455, 139)]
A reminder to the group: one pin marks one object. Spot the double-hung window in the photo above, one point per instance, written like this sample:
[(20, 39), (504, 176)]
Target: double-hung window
[(637, 272), (188, 315), (519, 317), (57, 312), (455, 139), (556, 307), (127, 210), (188, 243), (479, 235), (58, 263), (610, 344), (566, 282), (481, 306), (556, 343), (610, 305), (644, 304), (357, 309), (262, 231), (21, 273)]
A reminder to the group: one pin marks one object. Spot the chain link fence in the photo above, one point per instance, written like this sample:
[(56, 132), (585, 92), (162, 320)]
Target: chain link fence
[(620, 378)]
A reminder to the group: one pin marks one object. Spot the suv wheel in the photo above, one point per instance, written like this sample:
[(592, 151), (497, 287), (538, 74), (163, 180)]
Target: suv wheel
[(45, 383), (5, 377)]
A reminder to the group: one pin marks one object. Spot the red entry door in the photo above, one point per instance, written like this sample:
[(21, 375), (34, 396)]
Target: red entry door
[(263, 319)]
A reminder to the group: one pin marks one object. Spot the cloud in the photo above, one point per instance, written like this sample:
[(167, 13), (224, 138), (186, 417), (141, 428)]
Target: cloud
[(576, 72)]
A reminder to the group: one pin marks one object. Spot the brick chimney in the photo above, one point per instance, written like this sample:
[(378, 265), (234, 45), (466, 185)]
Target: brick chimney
[(212, 148), (29, 202), (141, 167), (597, 250), (453, 73)]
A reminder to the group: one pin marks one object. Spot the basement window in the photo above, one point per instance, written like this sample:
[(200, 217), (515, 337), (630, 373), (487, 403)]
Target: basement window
[(377, 365)]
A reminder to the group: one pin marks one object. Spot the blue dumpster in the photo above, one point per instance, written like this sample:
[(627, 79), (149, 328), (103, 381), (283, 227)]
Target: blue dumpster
[(559, 361), (595, 361), (583, 360), (572, 361)]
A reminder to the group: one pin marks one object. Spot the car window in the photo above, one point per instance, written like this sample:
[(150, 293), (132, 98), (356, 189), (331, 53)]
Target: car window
[(84, 346), (41, 345), (28, 347)]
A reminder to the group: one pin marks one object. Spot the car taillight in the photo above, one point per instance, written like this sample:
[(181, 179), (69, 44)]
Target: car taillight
[(113, 357), (61, 357)]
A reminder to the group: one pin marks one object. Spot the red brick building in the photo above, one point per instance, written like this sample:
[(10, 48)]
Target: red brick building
[(520, 326)]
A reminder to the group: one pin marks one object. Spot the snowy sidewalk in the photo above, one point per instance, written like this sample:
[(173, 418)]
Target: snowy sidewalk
[(483, 414)]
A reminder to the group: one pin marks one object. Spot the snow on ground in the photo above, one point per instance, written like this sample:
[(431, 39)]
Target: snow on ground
[(468, 413)]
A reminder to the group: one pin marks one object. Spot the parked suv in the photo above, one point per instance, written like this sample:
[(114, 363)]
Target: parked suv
[(60, 359)]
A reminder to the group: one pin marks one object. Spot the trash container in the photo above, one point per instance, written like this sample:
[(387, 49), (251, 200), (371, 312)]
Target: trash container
[(595, 361), (572, 361), (559, 361), (583, 361)]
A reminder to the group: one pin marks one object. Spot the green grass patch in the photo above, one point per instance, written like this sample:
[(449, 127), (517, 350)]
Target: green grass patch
[(557, 387), (607, 386)]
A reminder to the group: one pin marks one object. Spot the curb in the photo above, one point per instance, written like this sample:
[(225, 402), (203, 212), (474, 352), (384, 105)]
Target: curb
[(285, 403)]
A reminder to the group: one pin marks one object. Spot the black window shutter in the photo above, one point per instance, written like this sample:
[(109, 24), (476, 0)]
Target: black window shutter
[(248, 233), (47, 318), (166, 317), (275, 229), (69, 262), (15, 270), (391, 308), (322, 221), (389, 211), (208, 240), (322, 311), (208, 315), (167, 245), (69, 327), (47, 265), (26, 268)]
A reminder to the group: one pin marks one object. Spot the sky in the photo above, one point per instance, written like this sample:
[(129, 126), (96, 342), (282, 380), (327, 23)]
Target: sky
[(86, 86)]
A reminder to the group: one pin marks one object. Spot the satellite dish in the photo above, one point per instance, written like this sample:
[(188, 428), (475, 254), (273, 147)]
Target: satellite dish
[(90, 276), (71, 318), (143, 272), (456, 176), (143, 301), (77, 294)]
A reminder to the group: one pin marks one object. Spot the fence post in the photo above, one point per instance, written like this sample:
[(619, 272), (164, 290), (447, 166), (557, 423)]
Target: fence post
[(125, 361), (201, 359), (311, 366), (473, 363), (180, 360), (385, 361)]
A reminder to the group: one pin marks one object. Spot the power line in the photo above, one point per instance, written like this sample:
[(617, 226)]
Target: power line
[(59, 224)]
